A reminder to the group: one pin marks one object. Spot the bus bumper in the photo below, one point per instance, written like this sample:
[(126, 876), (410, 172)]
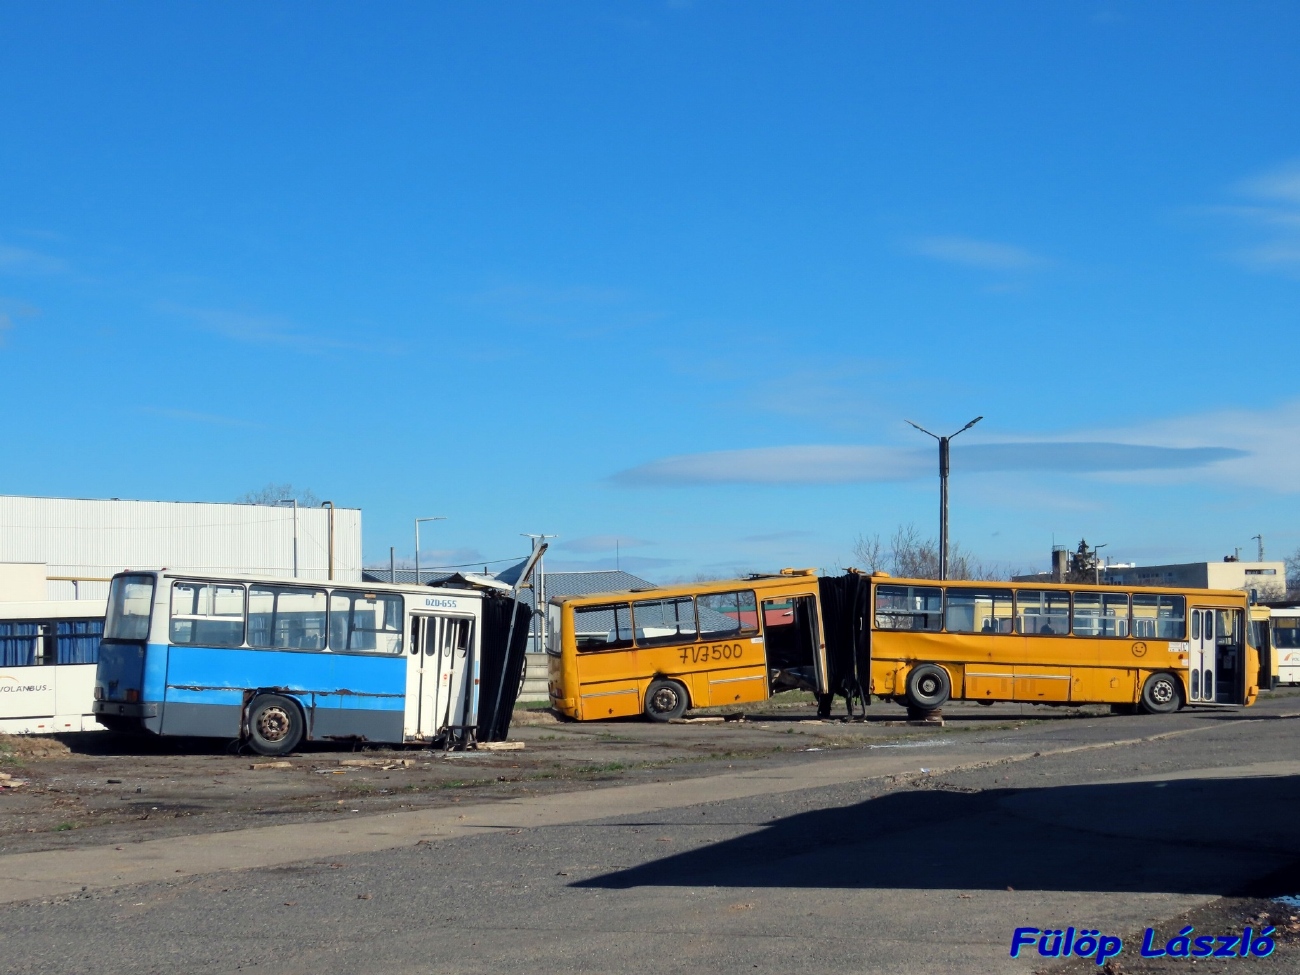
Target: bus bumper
[(117, 709)]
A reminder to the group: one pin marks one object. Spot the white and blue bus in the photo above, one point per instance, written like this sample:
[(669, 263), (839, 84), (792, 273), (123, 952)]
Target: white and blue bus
[(48, 651), (274, 661)]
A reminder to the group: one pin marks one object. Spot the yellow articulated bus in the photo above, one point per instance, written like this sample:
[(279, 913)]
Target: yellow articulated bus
[(658, 652), (914, 641)]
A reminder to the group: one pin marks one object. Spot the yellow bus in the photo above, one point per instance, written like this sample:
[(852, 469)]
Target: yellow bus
[(916, 642), (1159, 649), (658, 652)]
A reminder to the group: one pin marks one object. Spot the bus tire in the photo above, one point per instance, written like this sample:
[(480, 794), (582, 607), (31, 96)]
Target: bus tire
[(665, 700), (928, 687), (275, 725), (1161, 694)]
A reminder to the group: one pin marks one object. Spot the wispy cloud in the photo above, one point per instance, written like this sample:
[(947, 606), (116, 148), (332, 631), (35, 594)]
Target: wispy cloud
[(984, 254), (582, 311), (1273, 218), (600, 543), (824, 464), (20, 260), (189, 416), (260, 329)]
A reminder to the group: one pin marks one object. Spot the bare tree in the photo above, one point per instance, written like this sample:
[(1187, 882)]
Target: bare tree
[(273, 493), (1293, 575), (869, 552), (913, 556)]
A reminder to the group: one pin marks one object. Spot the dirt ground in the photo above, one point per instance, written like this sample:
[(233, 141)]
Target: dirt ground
[(97, 788)]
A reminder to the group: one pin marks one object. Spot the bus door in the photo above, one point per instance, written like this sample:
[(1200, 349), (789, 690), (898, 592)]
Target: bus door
[(439, 675), (792, 642), (1200, 657)]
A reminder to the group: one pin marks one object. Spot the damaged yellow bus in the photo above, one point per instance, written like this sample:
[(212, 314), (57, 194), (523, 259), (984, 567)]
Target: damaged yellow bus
[(658, 652), (916, 642)]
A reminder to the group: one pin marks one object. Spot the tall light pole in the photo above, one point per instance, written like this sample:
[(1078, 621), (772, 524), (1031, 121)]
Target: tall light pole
[(1096, 562), (539, 590), (294, 502), (943, 490), (417, 542)]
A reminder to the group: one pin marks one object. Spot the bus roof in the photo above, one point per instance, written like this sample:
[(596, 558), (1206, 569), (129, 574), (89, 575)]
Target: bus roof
[(467, 586), (792, 577), (786, 579)]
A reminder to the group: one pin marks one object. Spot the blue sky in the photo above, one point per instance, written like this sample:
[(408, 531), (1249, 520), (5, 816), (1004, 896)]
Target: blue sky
[(668, 273)]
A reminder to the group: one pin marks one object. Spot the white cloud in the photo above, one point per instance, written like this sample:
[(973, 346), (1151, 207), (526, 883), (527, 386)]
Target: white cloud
[(20, 260), (255, 329), (1281, 183), (1257, 449), (984, 254), (1274, 220)]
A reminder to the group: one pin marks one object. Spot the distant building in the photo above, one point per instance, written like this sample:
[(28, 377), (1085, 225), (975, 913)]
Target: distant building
[(75, 545), (1264, 580)]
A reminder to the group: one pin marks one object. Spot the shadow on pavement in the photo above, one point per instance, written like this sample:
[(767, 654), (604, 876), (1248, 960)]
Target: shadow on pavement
[(1190, 836)]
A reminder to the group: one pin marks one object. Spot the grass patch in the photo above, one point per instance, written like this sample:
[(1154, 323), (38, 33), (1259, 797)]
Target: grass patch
[(606, 767), (64, 827)]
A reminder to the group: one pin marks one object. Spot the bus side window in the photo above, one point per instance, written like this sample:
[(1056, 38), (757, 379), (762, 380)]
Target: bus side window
[(909, 608), (602, 627), (1042, 611), (663, 622), (726, 614)]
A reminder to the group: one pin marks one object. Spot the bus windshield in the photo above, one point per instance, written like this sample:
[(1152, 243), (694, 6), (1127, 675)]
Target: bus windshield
[(130, 600)]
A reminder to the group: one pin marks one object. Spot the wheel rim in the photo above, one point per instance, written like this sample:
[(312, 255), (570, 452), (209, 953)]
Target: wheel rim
[(1162, 692), (664, 700), (273, 723), (928, 685)]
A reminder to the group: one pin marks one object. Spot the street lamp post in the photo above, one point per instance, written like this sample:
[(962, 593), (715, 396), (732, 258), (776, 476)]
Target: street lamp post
[(294, 502), (943, 490), (417, 542), (1096, 562), (539, 592)]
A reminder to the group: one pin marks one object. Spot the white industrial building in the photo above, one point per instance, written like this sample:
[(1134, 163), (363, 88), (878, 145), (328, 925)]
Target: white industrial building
[(76, 545)]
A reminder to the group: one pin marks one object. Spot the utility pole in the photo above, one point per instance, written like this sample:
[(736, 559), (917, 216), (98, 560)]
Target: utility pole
[(417, 542), (943, 490), (1096, 562), (1260, 540), (294, 502), (539, 589)]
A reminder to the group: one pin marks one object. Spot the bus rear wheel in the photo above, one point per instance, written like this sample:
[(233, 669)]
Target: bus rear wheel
[(928, 687), (1161, 694), (275, 725), (665, 700)]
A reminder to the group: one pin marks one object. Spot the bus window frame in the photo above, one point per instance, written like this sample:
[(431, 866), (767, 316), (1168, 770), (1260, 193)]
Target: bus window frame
[(645, 642), (1102, 617), (617, 644), (980, 590), (279, 589), (172, 615), (129, 578)]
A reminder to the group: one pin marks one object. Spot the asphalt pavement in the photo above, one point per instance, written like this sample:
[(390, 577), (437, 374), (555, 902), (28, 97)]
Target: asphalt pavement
[(904, 857)]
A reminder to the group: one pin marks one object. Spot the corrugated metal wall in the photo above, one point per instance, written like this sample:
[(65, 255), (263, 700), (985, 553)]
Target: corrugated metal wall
[(95, 538)]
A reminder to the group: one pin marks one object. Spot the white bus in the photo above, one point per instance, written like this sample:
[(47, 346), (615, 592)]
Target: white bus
[(48, 652), (276, 661), (1285, 625)]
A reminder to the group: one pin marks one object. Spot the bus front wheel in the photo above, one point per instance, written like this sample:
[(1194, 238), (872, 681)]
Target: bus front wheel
[(665, 700), (1161, 694), (275, 725), (928, 687)]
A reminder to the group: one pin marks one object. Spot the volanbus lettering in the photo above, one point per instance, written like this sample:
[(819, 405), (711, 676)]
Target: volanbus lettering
[(712, 653)]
